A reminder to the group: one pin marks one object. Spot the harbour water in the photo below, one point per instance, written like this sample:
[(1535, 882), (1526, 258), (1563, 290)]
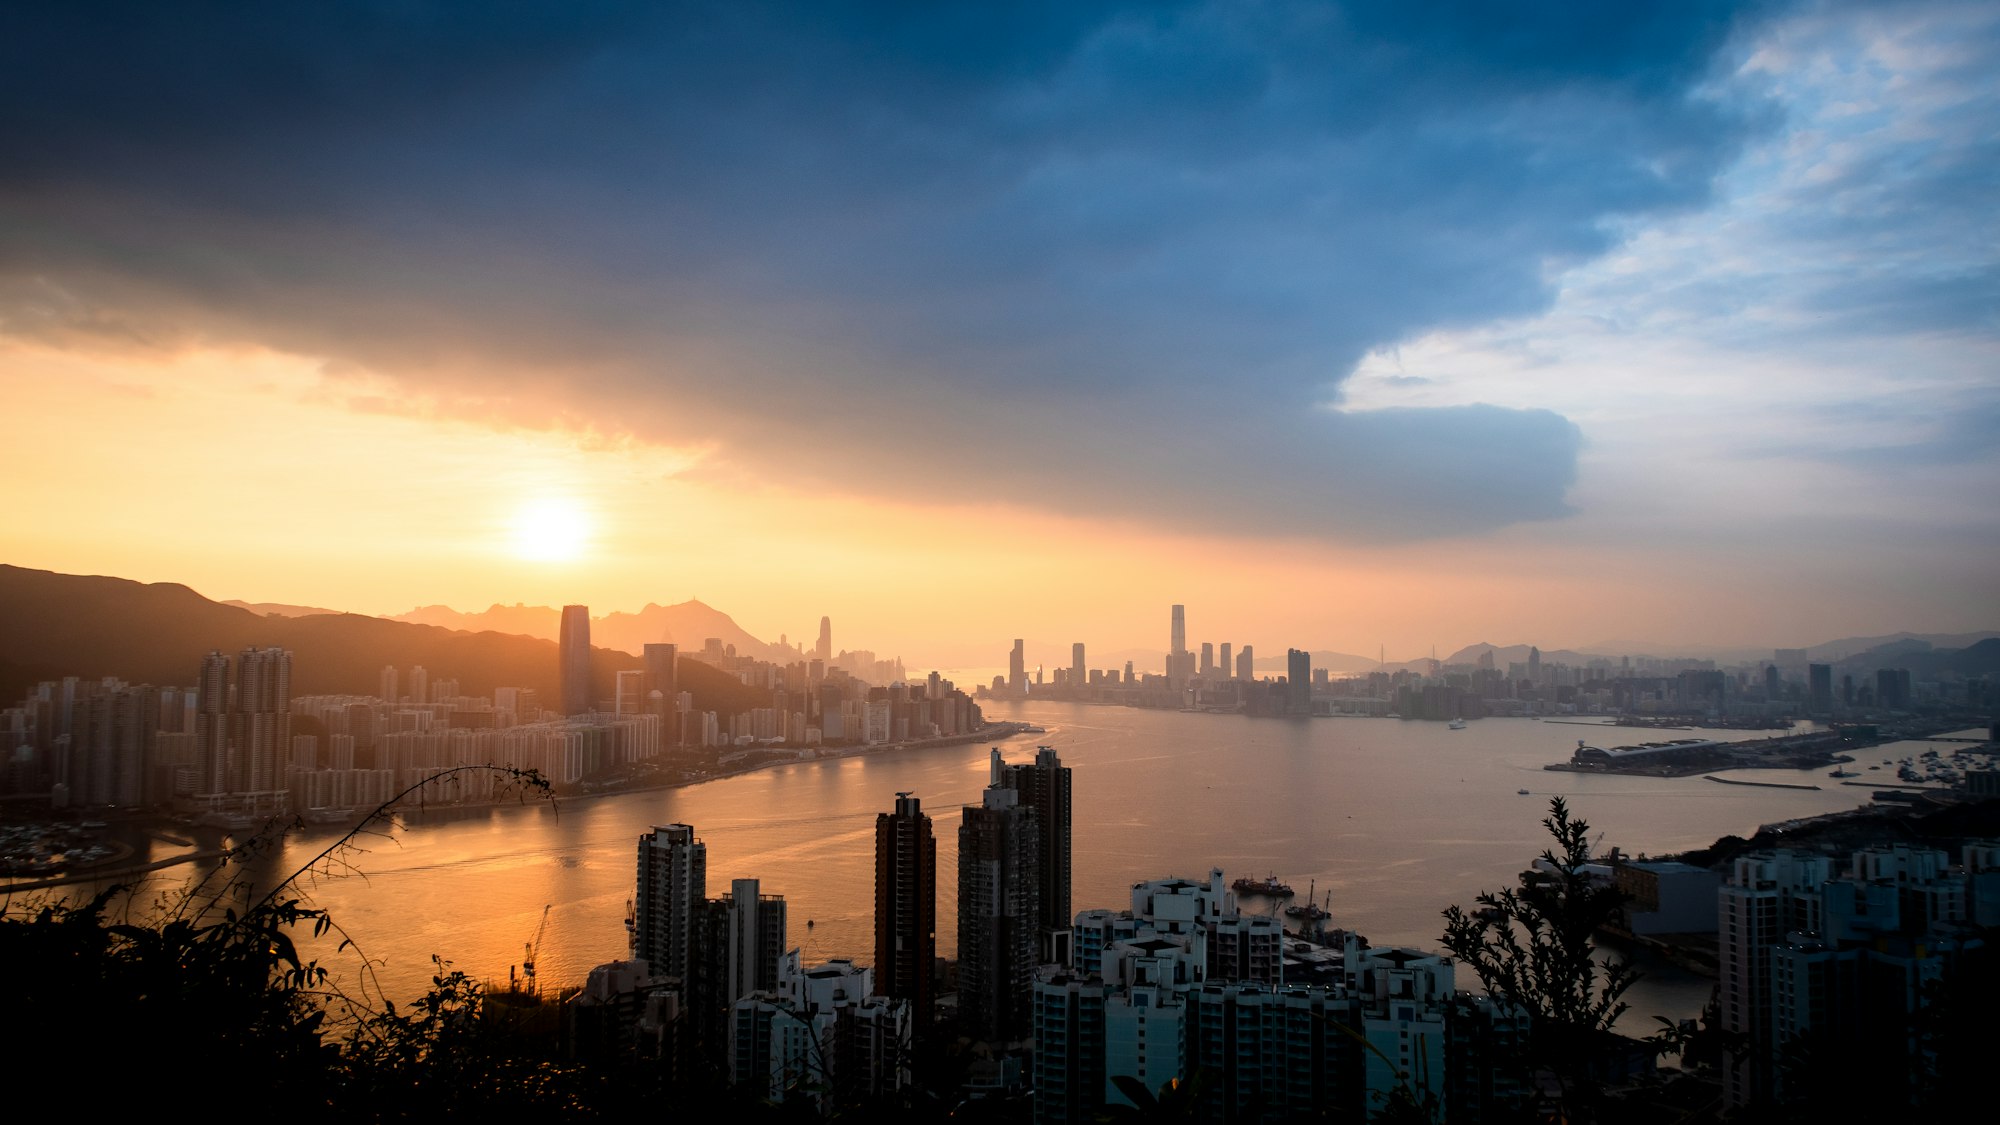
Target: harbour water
[(1395, 819)]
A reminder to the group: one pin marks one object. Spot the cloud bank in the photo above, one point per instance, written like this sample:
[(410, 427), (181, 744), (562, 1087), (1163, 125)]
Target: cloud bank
[(1112, 260)]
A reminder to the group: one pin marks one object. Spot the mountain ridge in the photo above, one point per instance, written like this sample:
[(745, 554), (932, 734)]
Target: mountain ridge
[(54, 625)]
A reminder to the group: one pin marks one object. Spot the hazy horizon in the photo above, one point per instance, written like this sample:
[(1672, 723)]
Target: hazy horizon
[(968, 654)]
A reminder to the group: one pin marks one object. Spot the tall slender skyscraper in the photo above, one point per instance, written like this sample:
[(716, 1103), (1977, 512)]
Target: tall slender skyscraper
[(998, 876), (663, 677), (212, 724), (1246, 663), (1079, 676), (575, 658), (1180, 662), (1298, 682), (1044, 786), (1017, 668), (824, 649), (673, 883), (906, 906)]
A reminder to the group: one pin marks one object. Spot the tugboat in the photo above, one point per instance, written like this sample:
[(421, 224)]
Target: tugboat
[(1266, 886)]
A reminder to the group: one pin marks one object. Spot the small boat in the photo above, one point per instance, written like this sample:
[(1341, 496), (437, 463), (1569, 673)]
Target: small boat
[(1523, 792), (1455, 724), (1266, 886)]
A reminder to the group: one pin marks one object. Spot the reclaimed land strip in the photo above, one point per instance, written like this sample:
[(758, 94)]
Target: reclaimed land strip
[(1758, 784)]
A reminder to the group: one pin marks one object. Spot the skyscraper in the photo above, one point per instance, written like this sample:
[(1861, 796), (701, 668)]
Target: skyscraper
[(824, 649), (673, 882), (1298, 682), (575, 656), (1017, 668), (1246, 664), (1079, 676), (998, 876), (756, 939), (1179, 661), (1044, 786), (1225, 664), (212, 724), (906, 906), (661, 665), (1819, 689), (1177, 639), (262, 720), (387, 690)]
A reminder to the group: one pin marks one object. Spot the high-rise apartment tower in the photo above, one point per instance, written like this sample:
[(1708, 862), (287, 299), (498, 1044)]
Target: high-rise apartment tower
[(906, 906), (673, 883), (998, 879), (1044, 786), (575, 650)]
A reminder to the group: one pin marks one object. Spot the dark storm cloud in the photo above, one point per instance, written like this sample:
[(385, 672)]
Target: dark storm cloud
[(1122, 251)]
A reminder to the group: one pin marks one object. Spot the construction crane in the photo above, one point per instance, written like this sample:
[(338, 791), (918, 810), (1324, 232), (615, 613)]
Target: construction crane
[(528, 962)]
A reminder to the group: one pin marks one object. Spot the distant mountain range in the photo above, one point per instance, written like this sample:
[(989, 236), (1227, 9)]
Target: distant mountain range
[(688, 624), (1921, 653), (55, 625), (280, 609)]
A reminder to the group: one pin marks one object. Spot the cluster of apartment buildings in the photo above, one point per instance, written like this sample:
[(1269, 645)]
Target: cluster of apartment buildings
[(1848, 952), (713, 980), (1061, 1005), (1279, 1027), (236, 745)]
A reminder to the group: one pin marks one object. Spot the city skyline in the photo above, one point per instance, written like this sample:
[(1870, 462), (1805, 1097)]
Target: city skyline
[(1668, 324)]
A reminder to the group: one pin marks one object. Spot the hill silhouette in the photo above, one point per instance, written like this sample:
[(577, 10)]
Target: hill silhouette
[(686, 624), (54, 625)]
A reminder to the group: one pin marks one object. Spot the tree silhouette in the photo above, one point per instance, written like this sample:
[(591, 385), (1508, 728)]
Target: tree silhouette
[(211, 987), (1532, 948)]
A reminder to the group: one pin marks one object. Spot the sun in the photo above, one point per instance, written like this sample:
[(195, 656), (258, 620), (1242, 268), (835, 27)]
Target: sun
[(551, 529)]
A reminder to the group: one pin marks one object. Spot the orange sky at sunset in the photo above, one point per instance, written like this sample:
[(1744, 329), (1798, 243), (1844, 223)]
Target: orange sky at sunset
[(243, 474)]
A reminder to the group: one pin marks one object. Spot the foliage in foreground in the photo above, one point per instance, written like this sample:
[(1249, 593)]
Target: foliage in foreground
[(1534, 948), (209, 991)]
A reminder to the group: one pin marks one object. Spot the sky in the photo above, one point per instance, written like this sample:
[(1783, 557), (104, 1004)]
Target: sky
[(1364, 327)]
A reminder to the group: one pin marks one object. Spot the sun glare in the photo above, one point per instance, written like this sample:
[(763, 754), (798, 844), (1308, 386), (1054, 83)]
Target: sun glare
[(551, 529)]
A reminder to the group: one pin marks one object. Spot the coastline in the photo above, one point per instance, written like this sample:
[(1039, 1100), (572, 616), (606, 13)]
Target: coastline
[(994, 731)]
